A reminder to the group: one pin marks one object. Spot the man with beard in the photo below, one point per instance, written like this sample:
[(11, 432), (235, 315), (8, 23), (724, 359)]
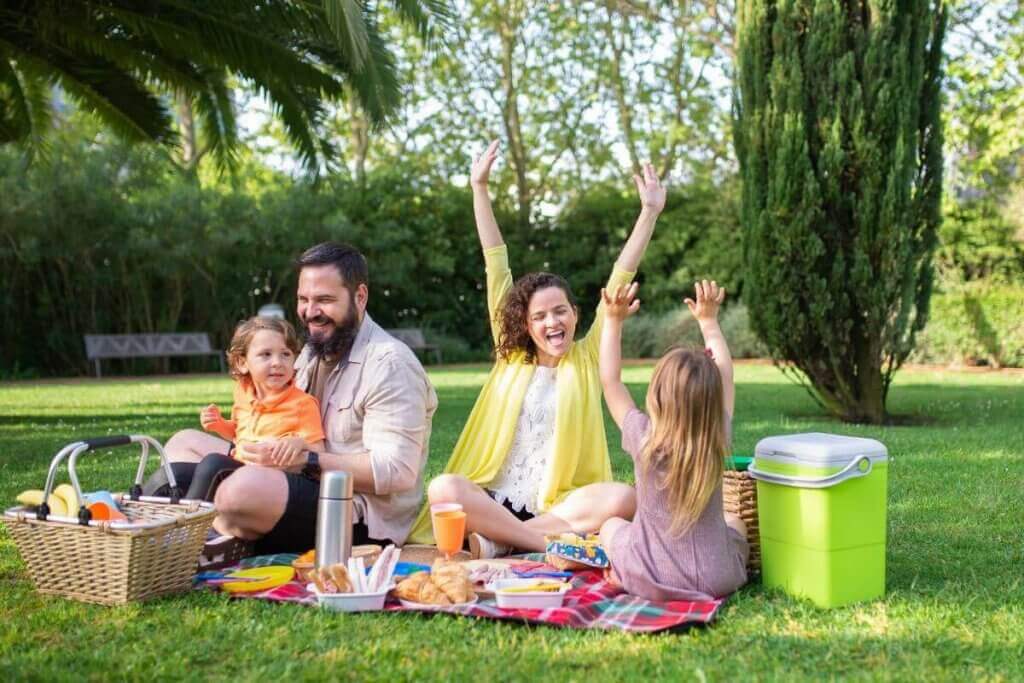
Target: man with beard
[(376, 404)]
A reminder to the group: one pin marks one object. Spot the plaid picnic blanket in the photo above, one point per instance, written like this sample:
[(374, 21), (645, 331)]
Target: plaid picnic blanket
[(591, 603)]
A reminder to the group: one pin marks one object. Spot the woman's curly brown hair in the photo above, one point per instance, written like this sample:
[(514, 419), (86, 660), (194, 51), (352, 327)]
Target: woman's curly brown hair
[(514, 333)]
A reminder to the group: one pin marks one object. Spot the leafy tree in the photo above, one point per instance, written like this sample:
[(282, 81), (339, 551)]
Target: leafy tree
[(119, 58), (982, 236), (573, 109), (839, 139)]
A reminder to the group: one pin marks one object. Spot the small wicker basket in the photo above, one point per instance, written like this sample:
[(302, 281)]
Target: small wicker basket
[(153, 553), (739, 496)]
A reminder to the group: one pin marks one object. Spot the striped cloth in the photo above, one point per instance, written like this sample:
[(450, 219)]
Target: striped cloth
[(591, 603)]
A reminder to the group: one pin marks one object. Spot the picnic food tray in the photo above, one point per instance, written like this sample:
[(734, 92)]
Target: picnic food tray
[(153, 553), (573, 551)]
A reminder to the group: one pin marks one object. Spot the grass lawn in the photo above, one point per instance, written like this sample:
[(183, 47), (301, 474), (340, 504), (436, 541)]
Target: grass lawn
[(954, 608)]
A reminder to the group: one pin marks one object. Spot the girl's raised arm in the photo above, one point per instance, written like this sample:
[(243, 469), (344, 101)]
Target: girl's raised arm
[(705, 309), (486, 224), (618, 306)]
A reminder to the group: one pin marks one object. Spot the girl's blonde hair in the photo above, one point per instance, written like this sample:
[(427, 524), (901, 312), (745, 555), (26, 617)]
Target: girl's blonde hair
[(687, 440), (247, 329)]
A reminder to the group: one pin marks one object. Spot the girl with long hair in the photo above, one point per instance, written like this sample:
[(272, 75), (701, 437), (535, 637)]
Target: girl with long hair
[(680, 544)]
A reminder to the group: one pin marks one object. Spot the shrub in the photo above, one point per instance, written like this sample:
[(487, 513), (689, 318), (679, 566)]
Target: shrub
[(978, 322), (649, 335), (104, 239), (743, 342), (455, 349)]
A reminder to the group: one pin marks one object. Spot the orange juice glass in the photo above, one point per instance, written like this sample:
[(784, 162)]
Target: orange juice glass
[(449, 520)]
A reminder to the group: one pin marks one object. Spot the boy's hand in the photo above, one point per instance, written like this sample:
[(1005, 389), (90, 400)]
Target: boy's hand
[(210, 416), (480, 173), (288, 452), (652, 192), (622, 303), (709, 299)]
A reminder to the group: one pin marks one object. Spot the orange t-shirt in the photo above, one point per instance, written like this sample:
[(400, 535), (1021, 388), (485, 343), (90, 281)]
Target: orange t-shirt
[(293, 412)]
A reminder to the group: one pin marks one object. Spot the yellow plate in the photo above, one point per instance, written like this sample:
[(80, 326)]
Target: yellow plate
[(272, 577)]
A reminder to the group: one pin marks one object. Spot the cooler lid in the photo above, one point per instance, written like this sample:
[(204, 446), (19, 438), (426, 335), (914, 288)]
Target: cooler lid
[(819, 449)]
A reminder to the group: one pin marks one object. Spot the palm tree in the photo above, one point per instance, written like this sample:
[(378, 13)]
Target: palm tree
[(127, 61)]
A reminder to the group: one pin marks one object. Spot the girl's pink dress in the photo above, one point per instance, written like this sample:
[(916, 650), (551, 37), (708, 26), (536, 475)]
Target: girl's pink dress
[(707, 561)]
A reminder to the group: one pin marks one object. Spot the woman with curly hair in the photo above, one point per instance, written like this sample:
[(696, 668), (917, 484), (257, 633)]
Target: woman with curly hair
[(533, 460)]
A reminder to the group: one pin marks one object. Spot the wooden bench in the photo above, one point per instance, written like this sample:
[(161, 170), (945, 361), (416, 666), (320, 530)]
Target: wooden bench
[(100, 346), (413, 338)]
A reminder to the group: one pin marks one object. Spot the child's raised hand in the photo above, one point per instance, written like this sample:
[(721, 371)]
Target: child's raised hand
[(621, 303), (209, 416), (709, 299), (480, 173)]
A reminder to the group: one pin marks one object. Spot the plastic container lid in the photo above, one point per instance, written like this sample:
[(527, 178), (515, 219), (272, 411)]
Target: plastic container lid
[(819, 449), (738, 462)]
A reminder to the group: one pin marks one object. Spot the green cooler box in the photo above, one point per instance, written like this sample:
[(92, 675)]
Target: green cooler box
[(821, 502)]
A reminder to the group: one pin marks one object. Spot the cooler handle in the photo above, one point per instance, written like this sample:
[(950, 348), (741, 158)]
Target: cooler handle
[(851, 471)]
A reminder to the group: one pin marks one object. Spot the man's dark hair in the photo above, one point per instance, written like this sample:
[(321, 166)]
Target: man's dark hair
[(349, 261)]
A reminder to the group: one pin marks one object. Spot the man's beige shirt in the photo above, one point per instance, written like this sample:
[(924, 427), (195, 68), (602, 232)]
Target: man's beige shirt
[(379, 401)]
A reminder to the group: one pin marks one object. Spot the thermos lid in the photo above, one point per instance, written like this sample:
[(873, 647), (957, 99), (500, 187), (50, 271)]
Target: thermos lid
[(336, 485)]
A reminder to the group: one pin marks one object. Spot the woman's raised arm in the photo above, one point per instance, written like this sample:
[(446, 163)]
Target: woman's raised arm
[(486, 224), (652, 201)]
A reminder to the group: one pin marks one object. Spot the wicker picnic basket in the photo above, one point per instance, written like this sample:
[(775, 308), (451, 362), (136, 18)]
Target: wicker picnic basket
[(153, 553), (739, 495)]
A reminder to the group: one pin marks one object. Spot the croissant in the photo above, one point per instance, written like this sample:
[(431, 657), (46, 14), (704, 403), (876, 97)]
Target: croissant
[(409, 587), (453, 580), (431, 594)]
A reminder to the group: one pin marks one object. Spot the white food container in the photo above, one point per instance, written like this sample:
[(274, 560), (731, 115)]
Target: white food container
[(350, 602), (517, 600)]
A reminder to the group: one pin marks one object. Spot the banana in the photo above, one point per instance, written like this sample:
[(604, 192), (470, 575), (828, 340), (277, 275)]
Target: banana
[(31, 497), (67, 493), (35, 497)]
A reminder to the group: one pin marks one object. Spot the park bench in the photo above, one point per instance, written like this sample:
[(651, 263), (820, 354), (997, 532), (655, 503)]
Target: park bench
[(413, 338), (158, 345)]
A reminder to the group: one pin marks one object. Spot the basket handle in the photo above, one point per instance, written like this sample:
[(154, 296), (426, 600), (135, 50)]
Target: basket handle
[(77, 448)]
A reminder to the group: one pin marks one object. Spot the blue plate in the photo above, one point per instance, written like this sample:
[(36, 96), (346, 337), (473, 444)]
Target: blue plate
[(406, 568)]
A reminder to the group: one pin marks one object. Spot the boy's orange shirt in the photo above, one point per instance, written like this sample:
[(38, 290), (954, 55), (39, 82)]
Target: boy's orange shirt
[(293, 412)]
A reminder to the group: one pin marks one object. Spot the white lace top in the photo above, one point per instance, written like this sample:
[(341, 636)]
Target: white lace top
[(519, 479)]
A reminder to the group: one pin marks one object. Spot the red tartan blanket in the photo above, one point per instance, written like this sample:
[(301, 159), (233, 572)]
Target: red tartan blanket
[(591, 603)]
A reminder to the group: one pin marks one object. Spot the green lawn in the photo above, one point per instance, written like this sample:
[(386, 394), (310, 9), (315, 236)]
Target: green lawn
[(954, 608)]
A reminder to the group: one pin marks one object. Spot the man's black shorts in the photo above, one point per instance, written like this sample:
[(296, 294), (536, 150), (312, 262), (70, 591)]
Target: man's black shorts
[(295, 532)]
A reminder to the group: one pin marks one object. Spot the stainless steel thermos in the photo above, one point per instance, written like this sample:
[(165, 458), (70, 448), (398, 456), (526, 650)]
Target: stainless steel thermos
[(334, 519)]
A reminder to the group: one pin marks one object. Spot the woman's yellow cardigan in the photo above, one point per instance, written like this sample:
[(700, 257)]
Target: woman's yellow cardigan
[(580, 452)]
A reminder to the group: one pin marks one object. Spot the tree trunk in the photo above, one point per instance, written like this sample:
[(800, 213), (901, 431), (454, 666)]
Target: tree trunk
[(359, 134), (508, 34), (619, 88), (190, 154), (868, 405)]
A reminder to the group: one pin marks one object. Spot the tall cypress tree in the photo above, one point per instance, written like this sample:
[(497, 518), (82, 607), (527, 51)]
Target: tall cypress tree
[(838, 133)]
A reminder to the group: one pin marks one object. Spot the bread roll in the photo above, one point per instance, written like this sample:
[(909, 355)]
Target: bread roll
[(333, 579)]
